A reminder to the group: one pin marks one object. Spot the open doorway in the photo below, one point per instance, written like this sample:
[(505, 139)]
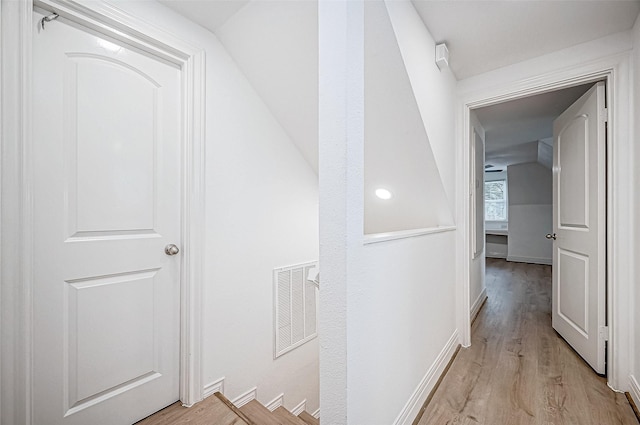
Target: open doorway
[(539, 175), (517, 168)]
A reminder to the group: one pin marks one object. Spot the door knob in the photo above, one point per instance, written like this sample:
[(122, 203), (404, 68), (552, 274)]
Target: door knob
[(171, 249), (551, 236)]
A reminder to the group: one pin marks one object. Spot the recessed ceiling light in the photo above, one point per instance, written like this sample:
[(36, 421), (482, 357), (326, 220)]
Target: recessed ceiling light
[(383, 194)]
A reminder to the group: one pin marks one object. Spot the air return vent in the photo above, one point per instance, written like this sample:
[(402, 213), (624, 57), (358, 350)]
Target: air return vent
[(295, 305)]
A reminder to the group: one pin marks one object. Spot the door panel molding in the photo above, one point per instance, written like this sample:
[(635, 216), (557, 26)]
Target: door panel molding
[(615, 70), (579, 281), (17, 177)]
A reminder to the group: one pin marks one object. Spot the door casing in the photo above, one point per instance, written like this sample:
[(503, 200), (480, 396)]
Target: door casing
[(17, 218), (615, 71)]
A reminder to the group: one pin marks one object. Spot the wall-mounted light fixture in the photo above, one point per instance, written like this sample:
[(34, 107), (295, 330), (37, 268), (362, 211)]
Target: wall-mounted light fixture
[(442, 56)]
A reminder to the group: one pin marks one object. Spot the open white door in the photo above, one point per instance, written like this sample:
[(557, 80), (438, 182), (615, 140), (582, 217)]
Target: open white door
[(579, 200), (107, 197)]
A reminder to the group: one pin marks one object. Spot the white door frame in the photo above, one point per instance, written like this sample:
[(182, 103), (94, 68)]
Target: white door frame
[(615, 70), (16, 230)]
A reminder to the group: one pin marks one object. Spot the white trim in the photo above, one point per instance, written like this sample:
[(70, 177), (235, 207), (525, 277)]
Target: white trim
[(316, 414), (410, 411), (245, 398), (213, 387), (16, 146), (634, 390), (193, 229), (615, 69), (403, 234), (275, 403), (17, 212), (107, 18), (464, 220), (531, 260), (301, 407), (475, 308)]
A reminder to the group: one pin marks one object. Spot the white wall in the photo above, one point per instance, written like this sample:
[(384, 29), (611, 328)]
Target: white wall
[(434, 101), (402, 317), (406, 296), (530, 213), (275, 44), (635, 334), (564, 60), (261, 213), (397, 154), (396, 298)]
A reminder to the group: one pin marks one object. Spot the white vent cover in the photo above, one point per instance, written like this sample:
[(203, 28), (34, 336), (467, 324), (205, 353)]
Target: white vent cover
[(295, 305)]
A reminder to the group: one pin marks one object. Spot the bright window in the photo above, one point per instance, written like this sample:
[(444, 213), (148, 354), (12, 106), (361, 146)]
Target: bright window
[(495, 200)]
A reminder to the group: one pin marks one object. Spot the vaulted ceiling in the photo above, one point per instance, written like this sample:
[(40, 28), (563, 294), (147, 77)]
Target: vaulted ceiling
[(275, 43), (521, 130)]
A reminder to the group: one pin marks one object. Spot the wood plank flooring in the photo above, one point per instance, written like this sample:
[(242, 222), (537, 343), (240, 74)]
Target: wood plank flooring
[(212, 410), (518, 370)]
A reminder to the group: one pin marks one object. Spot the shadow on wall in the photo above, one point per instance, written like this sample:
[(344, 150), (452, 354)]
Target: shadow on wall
[(398, 156)]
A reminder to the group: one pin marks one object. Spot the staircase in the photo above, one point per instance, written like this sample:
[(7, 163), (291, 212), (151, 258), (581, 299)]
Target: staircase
[(218, 410)]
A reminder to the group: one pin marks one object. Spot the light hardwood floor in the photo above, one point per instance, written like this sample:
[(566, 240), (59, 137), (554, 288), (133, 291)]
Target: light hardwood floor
[(518, 370)]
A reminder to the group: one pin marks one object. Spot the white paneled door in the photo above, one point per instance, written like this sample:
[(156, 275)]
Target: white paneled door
[(107, 161), (578, 310)]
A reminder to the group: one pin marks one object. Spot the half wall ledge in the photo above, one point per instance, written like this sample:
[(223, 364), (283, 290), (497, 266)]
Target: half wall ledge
[(403, 234)]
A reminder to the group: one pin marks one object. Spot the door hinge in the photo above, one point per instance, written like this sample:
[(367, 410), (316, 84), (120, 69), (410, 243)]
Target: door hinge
[(604, 333), (605, 114)]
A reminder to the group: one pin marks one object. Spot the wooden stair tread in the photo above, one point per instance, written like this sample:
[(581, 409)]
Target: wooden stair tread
[(211, 410), (260, 415), (287, 417), (305, 416), (233, 407)]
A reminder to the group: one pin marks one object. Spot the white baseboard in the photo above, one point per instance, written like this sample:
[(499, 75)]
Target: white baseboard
[(213, 387), (301, 407), (245, 398), (412, 408), (316, 414), (477, 304), (496, 255), (275, 403), (634, 390), (530, 260)]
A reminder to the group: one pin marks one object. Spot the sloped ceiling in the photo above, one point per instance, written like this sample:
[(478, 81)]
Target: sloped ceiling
[(397, 152), (275, 43), (210, 14), (513, 129), (484, 35)]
